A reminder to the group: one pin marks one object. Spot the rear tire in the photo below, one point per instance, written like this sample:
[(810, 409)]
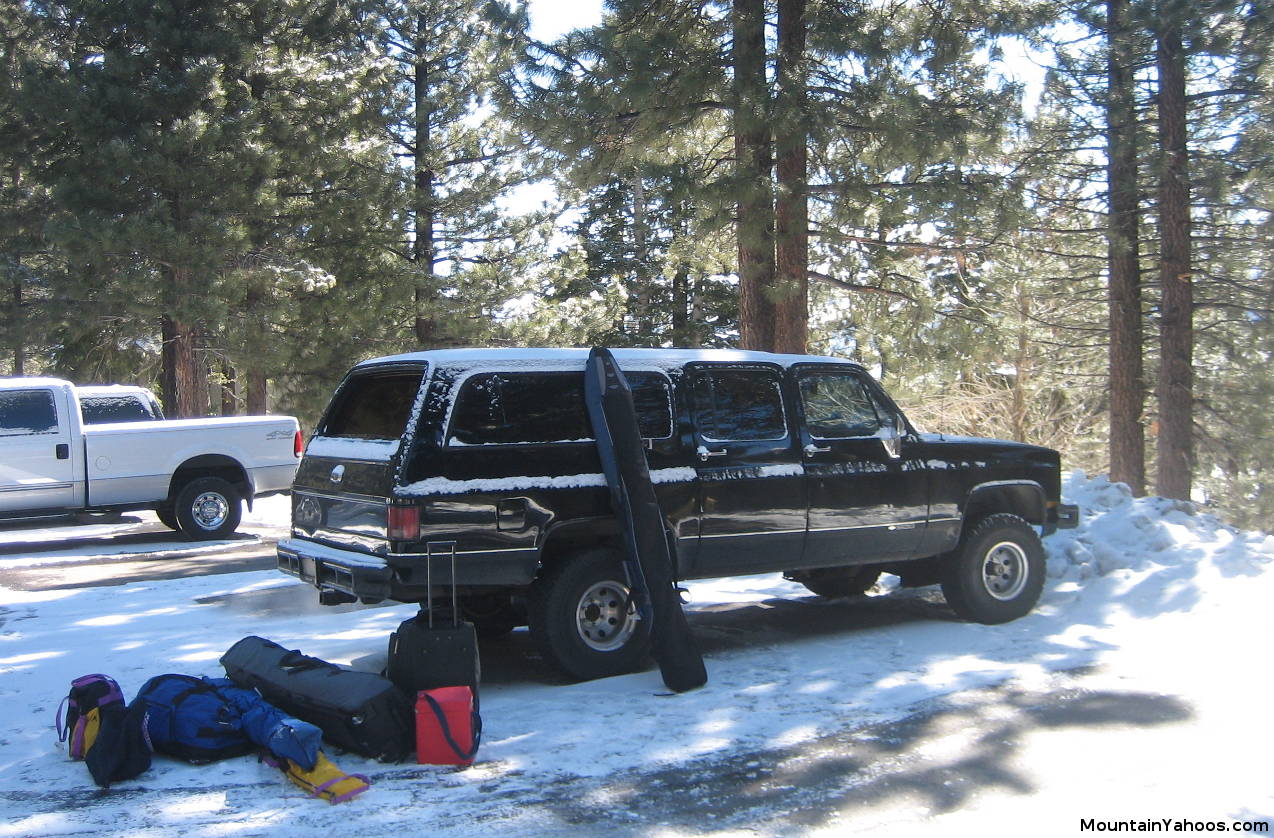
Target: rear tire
[(581, 619), (168, 517), (208, 508), (997, 573)]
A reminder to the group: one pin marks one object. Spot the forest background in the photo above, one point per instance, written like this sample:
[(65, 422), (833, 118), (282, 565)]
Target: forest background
[(234, 201)]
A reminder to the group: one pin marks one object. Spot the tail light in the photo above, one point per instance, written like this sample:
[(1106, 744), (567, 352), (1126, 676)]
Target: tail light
[(298, 445), (404, 523)]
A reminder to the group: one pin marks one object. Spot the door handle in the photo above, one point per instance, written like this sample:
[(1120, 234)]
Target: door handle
[(62, 451), (811, 449), (704, 453)]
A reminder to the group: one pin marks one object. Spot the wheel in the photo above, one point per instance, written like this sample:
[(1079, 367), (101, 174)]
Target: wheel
[(492, 615), (835, 582), (582, 620), (997, 572), (208, 508), (168, 517)]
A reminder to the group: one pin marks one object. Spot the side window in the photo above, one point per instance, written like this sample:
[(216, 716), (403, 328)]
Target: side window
[(27, 412), (373, 406), (104, 410), (495, 408), (737, 405), (510, 408), (838, 405)]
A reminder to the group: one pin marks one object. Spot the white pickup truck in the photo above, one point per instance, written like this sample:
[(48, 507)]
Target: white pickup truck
[(194, 473)]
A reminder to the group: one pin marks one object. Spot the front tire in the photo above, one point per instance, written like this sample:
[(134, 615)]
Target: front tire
[(208, 508), (582, 620), (997, 573)]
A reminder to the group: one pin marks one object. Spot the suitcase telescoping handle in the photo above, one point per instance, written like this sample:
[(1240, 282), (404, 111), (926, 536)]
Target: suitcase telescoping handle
[(440, 548)]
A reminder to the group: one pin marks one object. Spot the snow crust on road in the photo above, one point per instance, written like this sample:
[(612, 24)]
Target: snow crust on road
[(1153, 596)]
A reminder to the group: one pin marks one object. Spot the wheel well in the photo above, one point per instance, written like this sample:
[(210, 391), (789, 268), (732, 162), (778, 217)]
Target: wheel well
[(1025, 500), (576, 535), (211, 465)]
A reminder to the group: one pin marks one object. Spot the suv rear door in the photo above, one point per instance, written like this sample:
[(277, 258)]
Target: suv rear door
[(751, 484), (868, 495)]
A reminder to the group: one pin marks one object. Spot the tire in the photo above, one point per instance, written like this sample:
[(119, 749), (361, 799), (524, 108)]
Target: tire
[(997, 573), (493, 615), (168, 517), (208, 508), (581, 620), (837, 582)]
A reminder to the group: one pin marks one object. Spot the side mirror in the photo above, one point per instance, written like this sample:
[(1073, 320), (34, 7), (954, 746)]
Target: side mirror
[(891, 437)]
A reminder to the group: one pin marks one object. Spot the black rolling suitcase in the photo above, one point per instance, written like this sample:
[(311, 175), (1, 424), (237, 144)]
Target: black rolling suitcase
[(357, 711), (425, 653)]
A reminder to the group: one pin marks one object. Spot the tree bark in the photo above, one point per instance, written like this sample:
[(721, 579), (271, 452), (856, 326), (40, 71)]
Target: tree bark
[(791, 208), (258, 393), (17, 322), (423, 248), (1175, 454), (181, 384), (229, 386), (754, 226), (1127, 387)]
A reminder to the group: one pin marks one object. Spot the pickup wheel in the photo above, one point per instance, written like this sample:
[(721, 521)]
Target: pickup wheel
[(837, 582), (208, 508), (997, 572), (581, 618), (167, 516)]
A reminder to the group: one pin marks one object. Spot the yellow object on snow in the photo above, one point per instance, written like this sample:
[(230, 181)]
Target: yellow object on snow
[(325, 780)]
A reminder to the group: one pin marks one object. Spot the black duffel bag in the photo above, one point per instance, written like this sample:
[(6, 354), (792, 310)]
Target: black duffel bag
[(357, 711)]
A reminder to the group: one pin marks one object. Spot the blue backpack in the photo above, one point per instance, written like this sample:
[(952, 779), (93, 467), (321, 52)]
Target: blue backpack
[(205, 719), (187, 717)]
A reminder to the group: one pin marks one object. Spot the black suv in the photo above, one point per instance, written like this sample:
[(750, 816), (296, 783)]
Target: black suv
[(761, 463)]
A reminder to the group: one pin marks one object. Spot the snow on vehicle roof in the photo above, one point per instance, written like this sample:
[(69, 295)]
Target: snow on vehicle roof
[(33, 381), (570, 357), (110, 389)]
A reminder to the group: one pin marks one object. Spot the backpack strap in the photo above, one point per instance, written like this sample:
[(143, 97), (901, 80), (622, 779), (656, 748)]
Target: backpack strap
[(62, 730)]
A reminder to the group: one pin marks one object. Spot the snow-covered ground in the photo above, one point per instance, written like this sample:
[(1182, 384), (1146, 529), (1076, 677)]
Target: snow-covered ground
[(1138, 689)]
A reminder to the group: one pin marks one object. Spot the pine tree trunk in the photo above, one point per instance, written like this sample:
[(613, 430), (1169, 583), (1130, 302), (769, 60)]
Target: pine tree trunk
[(258, 393), (1127, 389), (423, 248), (229, 386), (16, 324), (1176, 337), (681, 307), (791, 206), (181, 369), (754, 227)]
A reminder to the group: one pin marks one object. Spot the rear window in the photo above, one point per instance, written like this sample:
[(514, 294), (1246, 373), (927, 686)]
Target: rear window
[(27, 412), (739, 405), (104, 410), (373, 406), (509, 408)]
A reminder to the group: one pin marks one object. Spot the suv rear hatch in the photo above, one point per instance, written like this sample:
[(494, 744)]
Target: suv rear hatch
[(342, 488)]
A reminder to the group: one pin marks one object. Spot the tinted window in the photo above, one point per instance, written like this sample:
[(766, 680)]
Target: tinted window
[(838, 406), (27, 412), (374, 406), (102, 410), (740, 405), (502, 408)]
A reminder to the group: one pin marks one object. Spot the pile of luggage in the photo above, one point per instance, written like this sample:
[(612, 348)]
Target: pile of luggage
[(285, 705)]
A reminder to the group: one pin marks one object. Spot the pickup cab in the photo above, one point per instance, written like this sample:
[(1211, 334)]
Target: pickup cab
[(761, 463), (195, 473)]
